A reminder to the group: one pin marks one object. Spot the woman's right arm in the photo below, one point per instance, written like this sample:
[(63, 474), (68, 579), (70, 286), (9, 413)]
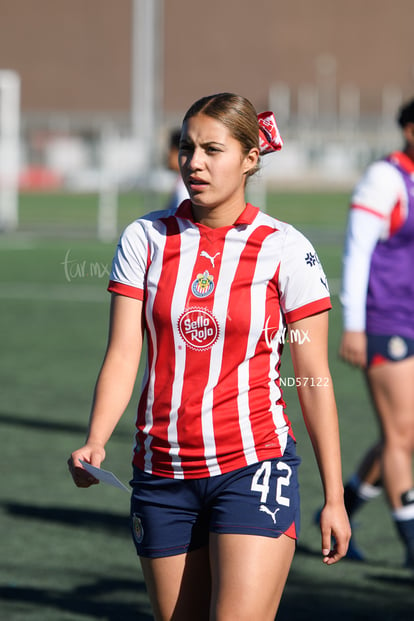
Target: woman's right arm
[(363, 232), (114, 385)]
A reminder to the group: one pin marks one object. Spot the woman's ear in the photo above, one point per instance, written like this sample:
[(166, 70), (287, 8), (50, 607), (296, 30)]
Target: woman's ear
[(251, 160)]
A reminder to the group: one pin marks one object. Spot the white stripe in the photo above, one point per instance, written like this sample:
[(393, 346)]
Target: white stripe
[(276, 393), (243, 411), (188, 256), (149, 418)]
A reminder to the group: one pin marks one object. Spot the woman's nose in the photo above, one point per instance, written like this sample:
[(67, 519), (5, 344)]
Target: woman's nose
[(195, 160)]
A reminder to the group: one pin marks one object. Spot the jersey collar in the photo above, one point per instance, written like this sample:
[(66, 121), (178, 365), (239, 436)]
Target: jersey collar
[(246, 217), (405, 162)]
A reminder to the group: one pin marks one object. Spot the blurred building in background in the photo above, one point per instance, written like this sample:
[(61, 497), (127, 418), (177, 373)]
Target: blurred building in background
[(102, 82)]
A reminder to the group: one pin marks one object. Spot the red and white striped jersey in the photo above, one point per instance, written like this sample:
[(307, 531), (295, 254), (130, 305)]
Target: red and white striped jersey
[(216, 304)]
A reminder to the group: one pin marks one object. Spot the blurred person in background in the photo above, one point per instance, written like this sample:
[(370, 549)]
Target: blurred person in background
[(378, 322), (214, 285), (179, 193)]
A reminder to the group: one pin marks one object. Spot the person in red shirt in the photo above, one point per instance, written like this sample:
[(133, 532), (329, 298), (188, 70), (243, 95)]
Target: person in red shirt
[(216, 285)]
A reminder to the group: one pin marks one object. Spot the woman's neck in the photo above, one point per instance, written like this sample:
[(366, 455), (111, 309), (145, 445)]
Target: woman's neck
[(217, 217), (409, 152)]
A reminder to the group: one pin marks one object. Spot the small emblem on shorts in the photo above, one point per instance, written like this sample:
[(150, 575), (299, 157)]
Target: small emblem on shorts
[(271, 513), (397, 348), (203, 285), (137, 528)]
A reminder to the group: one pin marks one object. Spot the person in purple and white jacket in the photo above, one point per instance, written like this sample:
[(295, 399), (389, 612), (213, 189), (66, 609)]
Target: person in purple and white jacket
[(378, 316)]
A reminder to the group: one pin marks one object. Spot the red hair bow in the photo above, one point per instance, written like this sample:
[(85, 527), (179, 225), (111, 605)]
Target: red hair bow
[(270, 139)]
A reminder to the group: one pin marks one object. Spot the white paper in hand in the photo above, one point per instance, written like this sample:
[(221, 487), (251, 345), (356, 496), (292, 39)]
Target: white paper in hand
[(104, 475)]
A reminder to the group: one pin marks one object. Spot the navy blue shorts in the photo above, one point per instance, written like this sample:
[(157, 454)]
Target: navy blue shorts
[(385, 348), (174, 516)]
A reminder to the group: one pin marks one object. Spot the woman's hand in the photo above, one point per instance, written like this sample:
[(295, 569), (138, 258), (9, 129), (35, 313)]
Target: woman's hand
[(92, 454), (336, 533), (353, 348)]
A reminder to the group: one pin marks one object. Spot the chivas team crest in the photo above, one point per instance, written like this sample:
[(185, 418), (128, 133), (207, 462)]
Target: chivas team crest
[(137, 528), (203, 285)]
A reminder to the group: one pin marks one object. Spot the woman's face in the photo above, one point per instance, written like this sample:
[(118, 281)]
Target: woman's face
[(408, 133), (212, 163)]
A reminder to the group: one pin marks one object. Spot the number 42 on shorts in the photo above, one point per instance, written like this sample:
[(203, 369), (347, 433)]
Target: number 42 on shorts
[(261, 482)]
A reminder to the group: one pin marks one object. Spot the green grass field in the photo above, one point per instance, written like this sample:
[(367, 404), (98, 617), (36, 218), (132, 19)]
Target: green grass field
[(66, 553)]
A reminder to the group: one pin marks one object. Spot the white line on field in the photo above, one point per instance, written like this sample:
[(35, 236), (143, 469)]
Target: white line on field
[(68, 292)]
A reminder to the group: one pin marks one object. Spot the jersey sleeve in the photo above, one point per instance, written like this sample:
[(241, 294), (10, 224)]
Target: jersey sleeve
[(362, 234), (129, 264), (303, 285), (378, 190)]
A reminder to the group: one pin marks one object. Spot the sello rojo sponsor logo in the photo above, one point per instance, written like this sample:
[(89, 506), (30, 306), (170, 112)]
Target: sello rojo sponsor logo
[(198, 328)]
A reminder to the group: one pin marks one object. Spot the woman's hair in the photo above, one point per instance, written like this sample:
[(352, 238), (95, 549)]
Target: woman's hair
[(406, 114), (236, 113)]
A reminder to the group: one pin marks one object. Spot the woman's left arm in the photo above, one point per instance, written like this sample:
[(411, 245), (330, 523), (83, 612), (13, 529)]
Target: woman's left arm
[(317, 400)]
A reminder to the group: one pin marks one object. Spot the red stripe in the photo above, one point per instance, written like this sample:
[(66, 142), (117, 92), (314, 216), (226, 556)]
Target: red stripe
[(291, 531), (369, 210), (308, 309), (126, 290), (378, 359), (397, 217)]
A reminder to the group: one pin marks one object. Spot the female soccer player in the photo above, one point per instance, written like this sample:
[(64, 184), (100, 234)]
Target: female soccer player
[(378, 300), (213, 284)]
